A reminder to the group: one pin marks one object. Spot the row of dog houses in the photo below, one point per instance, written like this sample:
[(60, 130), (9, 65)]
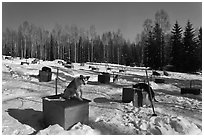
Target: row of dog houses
[(45, 76)]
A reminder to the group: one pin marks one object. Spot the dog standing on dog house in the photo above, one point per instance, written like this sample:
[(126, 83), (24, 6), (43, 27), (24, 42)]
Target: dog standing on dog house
[(74, 87)]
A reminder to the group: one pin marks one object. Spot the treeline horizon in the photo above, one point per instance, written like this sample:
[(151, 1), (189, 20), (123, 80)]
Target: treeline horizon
[(156, 46)]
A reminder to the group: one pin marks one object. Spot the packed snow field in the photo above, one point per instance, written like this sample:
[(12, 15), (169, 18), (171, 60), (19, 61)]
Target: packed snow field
[(22, 101)]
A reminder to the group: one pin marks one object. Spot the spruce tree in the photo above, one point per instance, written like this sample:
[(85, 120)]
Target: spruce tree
[(148, 51), (189, 60), (176, 44), (158, 47), (199, 50)]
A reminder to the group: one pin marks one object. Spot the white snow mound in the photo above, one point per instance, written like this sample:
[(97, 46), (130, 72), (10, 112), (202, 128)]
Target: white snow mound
[(77, 129)]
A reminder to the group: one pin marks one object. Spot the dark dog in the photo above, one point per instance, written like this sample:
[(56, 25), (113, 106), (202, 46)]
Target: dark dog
[(146, 88)]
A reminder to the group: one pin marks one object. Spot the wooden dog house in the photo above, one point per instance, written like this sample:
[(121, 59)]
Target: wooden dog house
[(66, 113)]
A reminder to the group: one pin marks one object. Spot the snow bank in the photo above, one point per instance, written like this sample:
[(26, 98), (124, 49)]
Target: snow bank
[(168, 87), (184, 76), (78, 129), (162, 124), (140, 120), (168, 125)]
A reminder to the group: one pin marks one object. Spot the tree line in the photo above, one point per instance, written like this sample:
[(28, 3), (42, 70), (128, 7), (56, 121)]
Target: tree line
[(69, 43), (156, 46), (180, 48)]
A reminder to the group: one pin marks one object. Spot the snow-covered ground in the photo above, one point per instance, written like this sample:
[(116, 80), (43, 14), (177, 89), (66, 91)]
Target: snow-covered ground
[(22, 104)]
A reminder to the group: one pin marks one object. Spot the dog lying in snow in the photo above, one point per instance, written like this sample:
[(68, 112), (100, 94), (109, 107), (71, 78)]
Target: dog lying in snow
[(74, 87), (145, 87)]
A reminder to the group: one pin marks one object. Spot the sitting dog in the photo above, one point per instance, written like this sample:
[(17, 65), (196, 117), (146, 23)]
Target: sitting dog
[(146, 88), (74, 87)]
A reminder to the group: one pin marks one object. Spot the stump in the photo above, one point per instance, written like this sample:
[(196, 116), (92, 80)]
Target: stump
[(69, 62), (60, 62), (46, 69), (127, 95), (154, 73), (9, 58), (22, 63), (195, 91), (191, 90), (93, 68), (66, 113), (68, 66), (82, 64), (121, 70), (35, 61), (45, 76), (166, 73), (104, 78), (159, 80)]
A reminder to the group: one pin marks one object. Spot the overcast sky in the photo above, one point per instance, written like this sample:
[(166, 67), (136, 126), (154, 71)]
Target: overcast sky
[(128, 17)]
